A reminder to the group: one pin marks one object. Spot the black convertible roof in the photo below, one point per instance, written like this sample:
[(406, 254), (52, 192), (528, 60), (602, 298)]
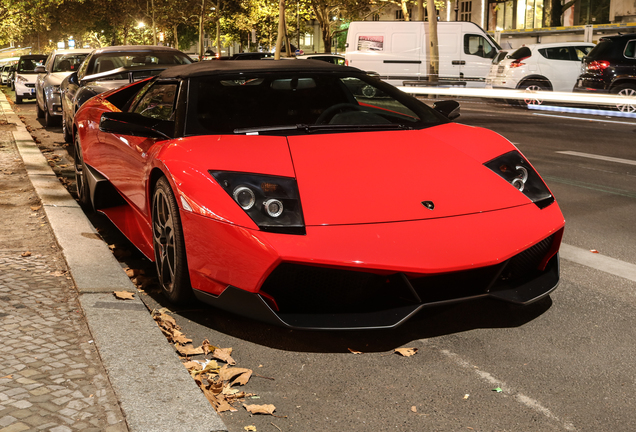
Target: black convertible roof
[(218, 67)]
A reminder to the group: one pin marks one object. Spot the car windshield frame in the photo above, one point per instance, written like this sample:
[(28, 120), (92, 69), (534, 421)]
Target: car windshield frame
[(293, 102)]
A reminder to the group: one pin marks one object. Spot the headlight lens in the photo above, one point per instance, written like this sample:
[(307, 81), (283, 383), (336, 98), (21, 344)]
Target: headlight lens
[(21, 79), (272, 202), (517, 171)]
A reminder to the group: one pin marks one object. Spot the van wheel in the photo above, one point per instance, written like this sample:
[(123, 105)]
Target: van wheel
[(628, 91)]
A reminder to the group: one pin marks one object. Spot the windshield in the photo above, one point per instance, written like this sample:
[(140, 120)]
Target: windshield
[(113, 60), (27, 65), (68, 62), (270, 103)]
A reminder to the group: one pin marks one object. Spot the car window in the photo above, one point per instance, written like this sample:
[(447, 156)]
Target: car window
[(29, 64), (158, 102), (581, 51), (523, 52), (68, 62), (630, 49), (112, 60), (479, 46), (556, 53), (225, 105)]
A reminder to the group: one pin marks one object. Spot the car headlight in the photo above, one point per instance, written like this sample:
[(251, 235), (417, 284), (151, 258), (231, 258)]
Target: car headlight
[(517, 171), (21, 79), (272, 202)]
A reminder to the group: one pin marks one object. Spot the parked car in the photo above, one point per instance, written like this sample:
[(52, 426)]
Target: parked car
[(58, 66), (548, 67), (329, 58), (494, 66), (4, 73), (611, 68), (11, 77), (111, 67), (272, 190), (246, 56), (25, 76)]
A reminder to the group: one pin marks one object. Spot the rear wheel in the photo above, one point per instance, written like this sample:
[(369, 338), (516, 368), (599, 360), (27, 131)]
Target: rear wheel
[(49, 120), (628, 91), (533, 87), (169, 246)]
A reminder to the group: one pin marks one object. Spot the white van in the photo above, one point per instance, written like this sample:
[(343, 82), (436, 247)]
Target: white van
[(397, 50)]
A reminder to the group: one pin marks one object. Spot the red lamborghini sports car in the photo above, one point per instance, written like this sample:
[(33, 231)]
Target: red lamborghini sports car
[(279, 191)]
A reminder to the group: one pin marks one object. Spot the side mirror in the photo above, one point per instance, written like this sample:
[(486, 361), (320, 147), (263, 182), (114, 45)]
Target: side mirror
[(125, 123), (39, 69), (448, 108), (72, 79)]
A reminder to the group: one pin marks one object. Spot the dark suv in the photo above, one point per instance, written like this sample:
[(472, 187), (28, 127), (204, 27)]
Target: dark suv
[(611, 68)]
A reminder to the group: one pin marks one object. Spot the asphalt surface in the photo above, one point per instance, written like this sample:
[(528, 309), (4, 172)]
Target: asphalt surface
[(149, 388)]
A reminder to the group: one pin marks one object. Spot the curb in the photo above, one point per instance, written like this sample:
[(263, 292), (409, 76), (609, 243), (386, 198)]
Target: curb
[(155, 391)]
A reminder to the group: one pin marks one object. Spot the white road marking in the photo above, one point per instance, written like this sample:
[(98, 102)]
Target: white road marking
[(599, 157), (599, 262), (505, 388), (586, 119)]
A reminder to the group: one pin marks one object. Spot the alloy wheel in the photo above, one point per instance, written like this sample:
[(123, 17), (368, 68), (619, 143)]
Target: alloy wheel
[(630, 105), (164, 240)]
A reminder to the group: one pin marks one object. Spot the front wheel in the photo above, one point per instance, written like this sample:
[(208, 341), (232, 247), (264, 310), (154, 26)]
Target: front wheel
[(81, 176), (66, 131), (18, 99), (629, 93), (39, 112), (169, 245), (533, 87), (49, 120)]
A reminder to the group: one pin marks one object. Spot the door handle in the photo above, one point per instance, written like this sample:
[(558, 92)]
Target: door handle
[(459, 62)]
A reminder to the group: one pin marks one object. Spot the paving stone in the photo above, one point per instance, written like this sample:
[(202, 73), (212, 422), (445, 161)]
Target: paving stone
[(44, 352)]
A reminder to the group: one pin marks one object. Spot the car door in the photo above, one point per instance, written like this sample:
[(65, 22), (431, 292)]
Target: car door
[(125, 158)]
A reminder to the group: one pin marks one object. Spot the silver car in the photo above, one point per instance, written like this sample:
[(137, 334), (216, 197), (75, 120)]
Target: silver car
[(58, 66)]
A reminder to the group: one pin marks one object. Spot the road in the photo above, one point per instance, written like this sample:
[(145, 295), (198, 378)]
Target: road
[(565, 364)]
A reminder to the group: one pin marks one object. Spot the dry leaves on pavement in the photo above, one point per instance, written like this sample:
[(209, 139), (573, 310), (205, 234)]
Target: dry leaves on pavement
[(406, 352), (124, 295), (260, 409)]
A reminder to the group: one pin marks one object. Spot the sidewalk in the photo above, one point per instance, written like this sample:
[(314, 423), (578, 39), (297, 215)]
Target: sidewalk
[(72, 357)]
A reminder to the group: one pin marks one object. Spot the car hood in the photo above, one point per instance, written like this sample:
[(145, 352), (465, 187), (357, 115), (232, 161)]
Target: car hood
[(56, 78), (376, 177)]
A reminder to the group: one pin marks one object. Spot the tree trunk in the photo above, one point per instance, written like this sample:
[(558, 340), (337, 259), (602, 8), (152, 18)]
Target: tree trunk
[(419, 14), (201, 30), (281, 29), (218, 27), (176, 35), (433, 46), (405, 11), (287, 44), (154, 28)]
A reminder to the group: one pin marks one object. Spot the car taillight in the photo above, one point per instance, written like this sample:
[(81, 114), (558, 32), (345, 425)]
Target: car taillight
[(598, 65), (346, 62), (518, 62)]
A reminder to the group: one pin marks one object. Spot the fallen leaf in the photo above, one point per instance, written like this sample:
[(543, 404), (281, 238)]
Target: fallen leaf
[(223, 354), (180, 338), (124, 295), (26, 254), (594, 251), (406, 352), (466, 396), (354, 351), (414, 408), (250, 428), (134, 272), (188, 349), (7, 376), (228, 373), (243, 378), (193, 366), (260, 409), (36, 208)]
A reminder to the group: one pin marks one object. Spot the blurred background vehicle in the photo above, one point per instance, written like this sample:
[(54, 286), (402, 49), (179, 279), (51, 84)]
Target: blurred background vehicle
[(58, 66), (25, 76), (611, 68), (535, 67)]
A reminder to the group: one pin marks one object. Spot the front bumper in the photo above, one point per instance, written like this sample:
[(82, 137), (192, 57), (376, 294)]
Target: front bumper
[(26, 91), (376, 275)]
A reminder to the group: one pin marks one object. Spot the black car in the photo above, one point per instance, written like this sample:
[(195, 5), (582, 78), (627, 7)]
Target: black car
[(611, 68), (109, 68)]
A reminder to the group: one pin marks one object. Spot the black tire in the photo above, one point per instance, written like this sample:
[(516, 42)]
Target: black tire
[(49, 120), (169, 245), (66, 130), (18, 99), (629, 91), (81, 177), (38, 111)]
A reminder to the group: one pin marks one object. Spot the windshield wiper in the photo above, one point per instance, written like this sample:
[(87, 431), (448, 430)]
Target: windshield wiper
[(326, 127)]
